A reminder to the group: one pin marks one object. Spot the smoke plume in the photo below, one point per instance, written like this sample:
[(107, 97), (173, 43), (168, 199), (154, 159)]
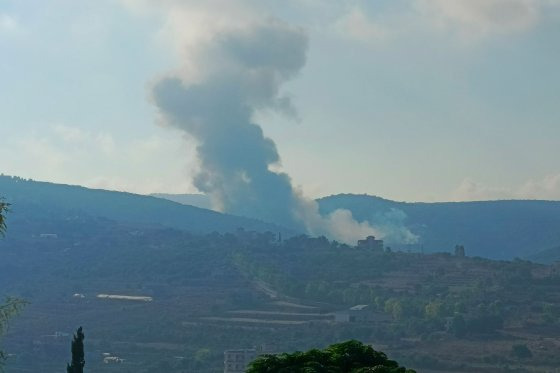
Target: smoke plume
[(239, 72)]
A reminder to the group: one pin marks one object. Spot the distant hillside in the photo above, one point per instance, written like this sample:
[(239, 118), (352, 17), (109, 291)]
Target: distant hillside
[(197, 200), (40, 200), (547, 256), (493, 229), (215, 292)]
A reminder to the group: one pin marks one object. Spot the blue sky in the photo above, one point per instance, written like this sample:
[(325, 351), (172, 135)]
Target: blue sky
[(419, 100)]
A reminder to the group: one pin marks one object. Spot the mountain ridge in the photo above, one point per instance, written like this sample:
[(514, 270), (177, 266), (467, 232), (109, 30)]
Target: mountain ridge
[(38, 199), (501, 229)]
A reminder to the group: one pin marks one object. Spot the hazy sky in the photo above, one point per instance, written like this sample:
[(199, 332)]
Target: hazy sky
[(418, 100)]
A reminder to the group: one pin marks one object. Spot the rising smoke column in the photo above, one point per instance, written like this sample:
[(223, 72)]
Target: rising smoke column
[(239, 72), (230, 77)]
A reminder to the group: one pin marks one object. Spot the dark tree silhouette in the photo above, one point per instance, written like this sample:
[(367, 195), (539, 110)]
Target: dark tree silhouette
[(3, 209), (11, 306), (351, 357), (78, 360)]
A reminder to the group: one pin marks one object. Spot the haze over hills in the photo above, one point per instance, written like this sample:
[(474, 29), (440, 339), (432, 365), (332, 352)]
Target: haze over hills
[(197, 200), (549, 256), (211, 292), (493, 229), (41, 200), (207, 293)]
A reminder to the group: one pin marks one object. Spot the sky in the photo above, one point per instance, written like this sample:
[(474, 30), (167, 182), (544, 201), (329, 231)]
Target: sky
[(417, 100)]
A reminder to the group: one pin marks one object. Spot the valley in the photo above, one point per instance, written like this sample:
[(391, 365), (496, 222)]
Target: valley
[(159, 298)]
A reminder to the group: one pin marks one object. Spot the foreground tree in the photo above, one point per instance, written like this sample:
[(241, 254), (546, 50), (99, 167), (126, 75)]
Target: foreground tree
[(8, 309), (78, 360), (3, 210), (348, 357), (11, 306)]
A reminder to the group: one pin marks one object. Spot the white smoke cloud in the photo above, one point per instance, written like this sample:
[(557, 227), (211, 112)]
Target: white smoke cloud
[(391, 225), (356, 24), (472, 19), (469, 21), (67, 154), (226, 76), (8, 24), (547, 188), (233, 63)]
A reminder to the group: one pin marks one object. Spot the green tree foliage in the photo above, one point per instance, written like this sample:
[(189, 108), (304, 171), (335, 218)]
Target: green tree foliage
[(78, 360), (434, 309), (351, 356), (521, 351), (458, 326), (11, 306), (8, 309)]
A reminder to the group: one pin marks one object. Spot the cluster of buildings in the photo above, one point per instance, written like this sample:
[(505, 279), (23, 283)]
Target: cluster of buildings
[(109, 359), (238, 360)]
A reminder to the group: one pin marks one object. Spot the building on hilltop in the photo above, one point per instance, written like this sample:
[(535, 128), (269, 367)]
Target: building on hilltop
[(371, 243), (460, 251)]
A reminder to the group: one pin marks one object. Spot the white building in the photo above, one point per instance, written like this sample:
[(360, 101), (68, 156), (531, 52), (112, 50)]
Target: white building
[(360, 313), (49, 235), (112, 360)]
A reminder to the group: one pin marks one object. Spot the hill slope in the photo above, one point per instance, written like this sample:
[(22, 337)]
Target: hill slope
[(493, 229), (40, 200), (546, 256), (214, 292), (197, 200)]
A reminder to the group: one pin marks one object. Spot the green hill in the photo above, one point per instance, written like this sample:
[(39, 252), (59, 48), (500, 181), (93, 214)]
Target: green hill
[(198, 200), (32, 200), (492, 229), (215, 292), (547, 256)]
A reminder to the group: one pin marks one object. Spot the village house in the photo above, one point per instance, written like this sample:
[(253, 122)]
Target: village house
[(360, 313), (371, 243)]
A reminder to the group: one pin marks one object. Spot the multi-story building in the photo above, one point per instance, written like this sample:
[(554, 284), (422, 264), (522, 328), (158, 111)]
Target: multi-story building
[(371, 243)]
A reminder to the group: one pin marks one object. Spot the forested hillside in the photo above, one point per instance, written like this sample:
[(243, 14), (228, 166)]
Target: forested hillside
[(550, 256), (198, 200), (491, 229), (39, 200), (201, 294)]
